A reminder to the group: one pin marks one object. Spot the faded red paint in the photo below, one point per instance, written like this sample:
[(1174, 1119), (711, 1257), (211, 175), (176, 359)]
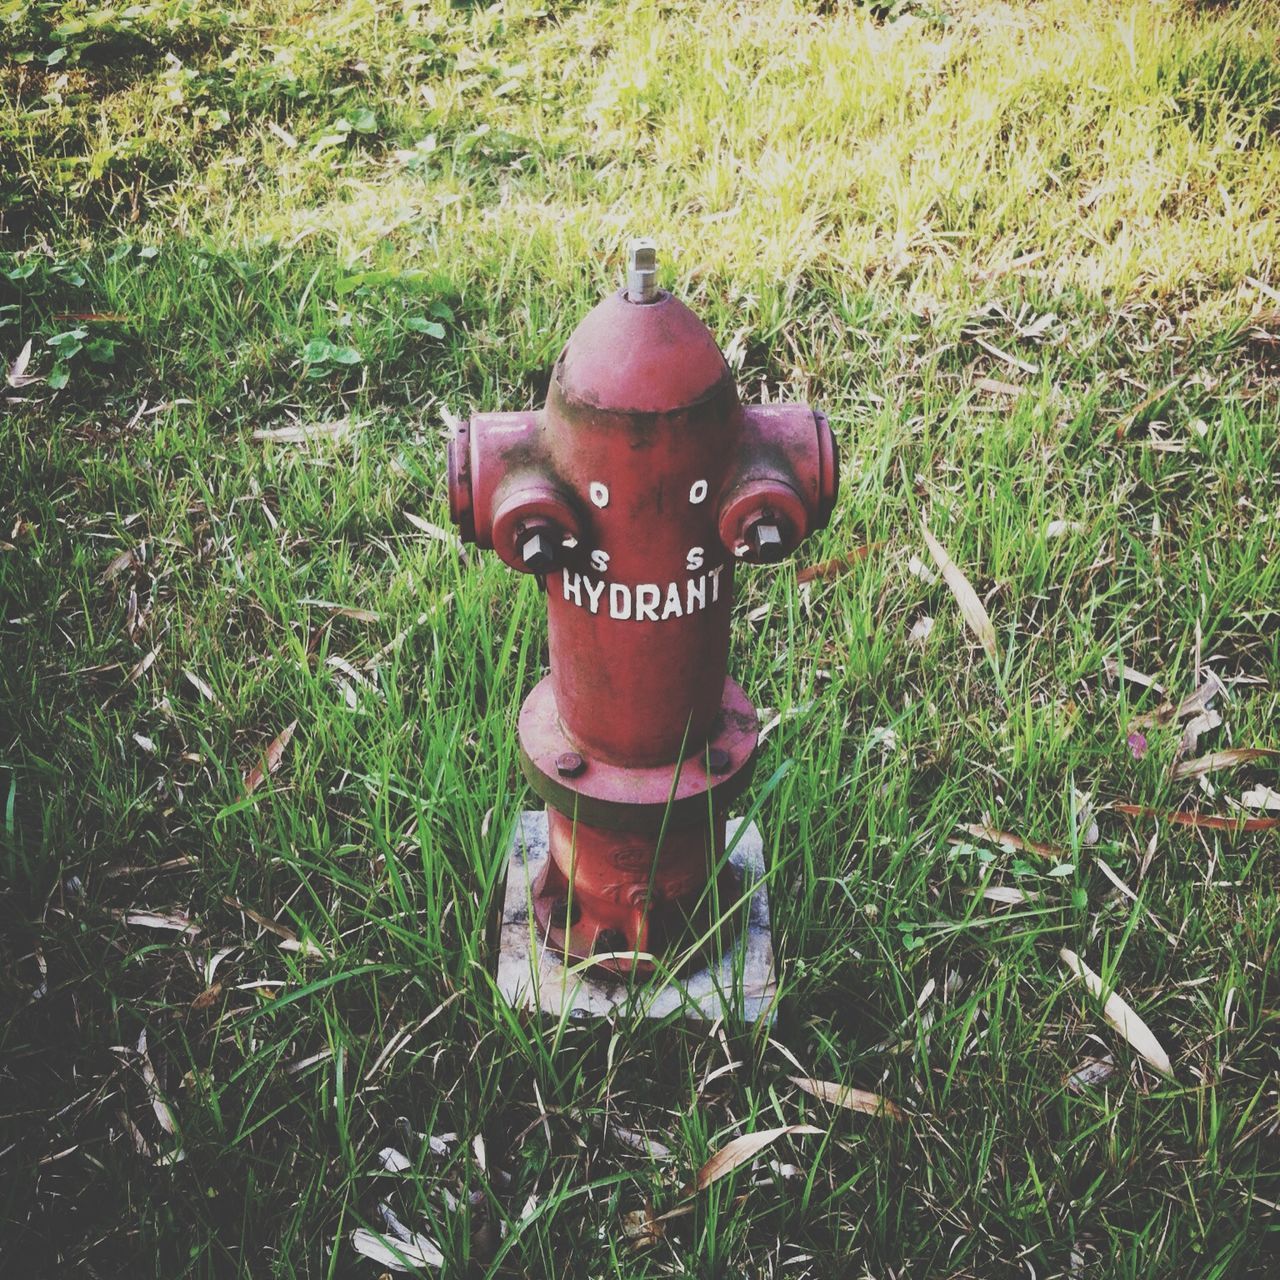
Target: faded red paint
[(647, 480)]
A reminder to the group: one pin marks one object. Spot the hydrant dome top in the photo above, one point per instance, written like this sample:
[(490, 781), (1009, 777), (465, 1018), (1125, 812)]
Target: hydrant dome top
[(651, 357)]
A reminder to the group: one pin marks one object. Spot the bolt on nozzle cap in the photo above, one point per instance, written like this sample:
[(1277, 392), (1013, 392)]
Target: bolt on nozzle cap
[(642, 270), (766, 541), (538, 552)]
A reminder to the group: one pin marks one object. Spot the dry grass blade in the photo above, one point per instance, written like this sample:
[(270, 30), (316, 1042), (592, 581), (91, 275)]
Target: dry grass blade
[(843, 1095), (741, 1150), (1222, 760), (309, 431), (1007, 840), (270, 761), (993, 386), (966, 597), (834, 568), (1119, 1015), (1211, 821)]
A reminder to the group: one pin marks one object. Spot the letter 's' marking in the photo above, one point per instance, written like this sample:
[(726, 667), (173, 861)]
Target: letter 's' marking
[(715, 583), (698, 493), (594, 591), (697, 591), (599, 493), (600, 560), (619, 601), (672, 605), (694, 559), (573, 590), (647, 596)]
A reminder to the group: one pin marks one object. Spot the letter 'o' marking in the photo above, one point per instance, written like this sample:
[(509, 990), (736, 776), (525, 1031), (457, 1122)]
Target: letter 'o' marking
[(600, 560), (693, 560), (698, 492), (599, 493)]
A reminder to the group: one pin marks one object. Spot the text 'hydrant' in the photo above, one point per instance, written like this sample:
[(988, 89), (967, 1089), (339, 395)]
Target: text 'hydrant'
[(633, 494)]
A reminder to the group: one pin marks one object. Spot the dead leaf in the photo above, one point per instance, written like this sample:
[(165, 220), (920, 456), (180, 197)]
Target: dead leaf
[(829, 569), (344, 611), (1056, 528), (16, 375), (125, 560), (400, 1255), (283, 134), (641, 1229), (202, 686), (306, 431), (741, 1150), (271, 761), (1121, 671), (1091, 1072), (1261, 798), (843, 1095), (920, 630), (1222, 760), (271, 926), (447, 536), (1007, 840), (142, 667), (1006, 895), (162, 1109), (1197, 725), (207, 997), (1120, 1015), (177, 921), (1212, 821), (994, 386), (966, 597)]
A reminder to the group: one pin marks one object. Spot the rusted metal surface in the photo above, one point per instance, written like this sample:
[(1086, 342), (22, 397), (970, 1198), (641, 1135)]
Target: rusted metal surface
[(634, 494)]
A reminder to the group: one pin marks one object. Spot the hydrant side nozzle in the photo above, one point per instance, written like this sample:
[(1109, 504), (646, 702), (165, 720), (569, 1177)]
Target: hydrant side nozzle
[(535, 525), (461, 502)]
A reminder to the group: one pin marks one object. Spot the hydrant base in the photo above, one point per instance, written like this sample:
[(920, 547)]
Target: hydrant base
[(740, 985)]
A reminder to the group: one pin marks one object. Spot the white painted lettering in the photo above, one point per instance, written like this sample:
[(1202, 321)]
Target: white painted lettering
[(599, 493), (647, 596), (699, 492), (715, 583), (573, 588), (694, 559), (672, 606), (619, 601), (697, 590), (600, 560), (594, 591)]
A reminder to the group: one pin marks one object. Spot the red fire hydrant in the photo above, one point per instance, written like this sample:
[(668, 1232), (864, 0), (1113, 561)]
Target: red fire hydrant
[(633, 495)]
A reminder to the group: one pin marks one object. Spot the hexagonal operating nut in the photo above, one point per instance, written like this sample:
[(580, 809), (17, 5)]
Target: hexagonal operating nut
[(642, 270)]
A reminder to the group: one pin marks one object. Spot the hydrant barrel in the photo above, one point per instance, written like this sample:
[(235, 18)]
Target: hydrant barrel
[(643, 419), (633, 494)]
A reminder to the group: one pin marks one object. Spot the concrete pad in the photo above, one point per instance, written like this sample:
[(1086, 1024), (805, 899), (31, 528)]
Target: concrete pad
[(531, 975)]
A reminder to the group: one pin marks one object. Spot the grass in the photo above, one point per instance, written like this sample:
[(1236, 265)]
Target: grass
[(1024, 256)]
